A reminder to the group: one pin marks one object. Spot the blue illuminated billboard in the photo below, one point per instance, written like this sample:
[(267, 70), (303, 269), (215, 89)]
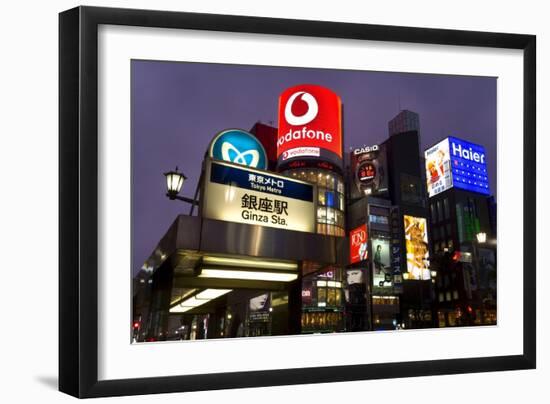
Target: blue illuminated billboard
[(456, 163)]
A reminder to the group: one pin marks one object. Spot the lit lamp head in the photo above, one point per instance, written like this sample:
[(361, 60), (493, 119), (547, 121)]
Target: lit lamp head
[(481, 237), (174, 183)]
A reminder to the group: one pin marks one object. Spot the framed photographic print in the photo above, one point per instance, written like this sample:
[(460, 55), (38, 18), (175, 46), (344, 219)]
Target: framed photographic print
[(251, 201)]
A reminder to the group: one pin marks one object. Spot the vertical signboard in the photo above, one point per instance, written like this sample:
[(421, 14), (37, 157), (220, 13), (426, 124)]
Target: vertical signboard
[(416, 245), (368, 171), (258, 308), (358, 244), (382, 273), (438, 168), (310, 126), (396, 241)]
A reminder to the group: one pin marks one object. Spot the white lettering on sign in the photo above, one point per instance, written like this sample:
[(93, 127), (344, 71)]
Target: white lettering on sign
[(366, 149), (305, 133), (468, 154)]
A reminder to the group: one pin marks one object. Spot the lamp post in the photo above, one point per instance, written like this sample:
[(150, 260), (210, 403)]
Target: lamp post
[(481, 238), (174, 184)]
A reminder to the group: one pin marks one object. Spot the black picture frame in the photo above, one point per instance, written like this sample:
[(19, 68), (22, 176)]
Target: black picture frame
[(78, 201)]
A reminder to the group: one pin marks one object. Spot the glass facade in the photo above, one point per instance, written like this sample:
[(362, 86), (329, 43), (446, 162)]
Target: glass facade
[(330, 199), (322, 302)]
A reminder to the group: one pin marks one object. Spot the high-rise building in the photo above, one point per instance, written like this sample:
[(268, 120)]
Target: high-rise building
[(405, 121), (462, 228), (310, 147), (411, 236), (386, 194)]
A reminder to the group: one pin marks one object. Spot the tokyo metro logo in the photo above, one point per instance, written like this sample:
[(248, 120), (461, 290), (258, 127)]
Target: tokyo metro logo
[(239, 147), (231, 153), (311, 113)]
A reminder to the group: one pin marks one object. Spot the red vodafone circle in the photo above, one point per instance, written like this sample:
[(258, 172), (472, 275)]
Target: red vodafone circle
[(310, 123)]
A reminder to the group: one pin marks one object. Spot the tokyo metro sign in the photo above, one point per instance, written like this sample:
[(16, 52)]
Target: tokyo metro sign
[(240, 147)]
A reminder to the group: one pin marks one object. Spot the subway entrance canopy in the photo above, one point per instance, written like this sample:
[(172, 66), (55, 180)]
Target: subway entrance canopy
[(203, 267)]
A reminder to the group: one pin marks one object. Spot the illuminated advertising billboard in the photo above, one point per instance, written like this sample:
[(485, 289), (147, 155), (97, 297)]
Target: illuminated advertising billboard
[(354, 276), (456, 163), (239, 147), (310, 126), (416, 246), (368, 171), (240, 194), (381, 265), (258, 308), (358, 244)]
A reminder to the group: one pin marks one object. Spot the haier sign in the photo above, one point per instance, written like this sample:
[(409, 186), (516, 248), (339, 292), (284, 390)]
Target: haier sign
[(456, 163)]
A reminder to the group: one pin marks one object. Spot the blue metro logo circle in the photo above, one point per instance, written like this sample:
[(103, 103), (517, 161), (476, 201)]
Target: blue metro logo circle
[(239, 147)]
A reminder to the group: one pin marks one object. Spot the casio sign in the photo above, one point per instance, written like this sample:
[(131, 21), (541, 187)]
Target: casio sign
[(366, 149)]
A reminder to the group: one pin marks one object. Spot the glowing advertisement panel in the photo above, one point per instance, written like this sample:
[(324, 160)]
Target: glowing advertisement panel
[(368, 171), (456, 163), (310, 125), (358, 244), (234, 193), (438, 168), (382, 275), (416, 246), (469, 166)]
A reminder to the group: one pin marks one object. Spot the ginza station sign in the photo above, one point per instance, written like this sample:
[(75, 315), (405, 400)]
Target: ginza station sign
[(236, 193)]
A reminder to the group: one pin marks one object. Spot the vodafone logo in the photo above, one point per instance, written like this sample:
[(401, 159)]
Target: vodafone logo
[(310, 124), (311, 113)]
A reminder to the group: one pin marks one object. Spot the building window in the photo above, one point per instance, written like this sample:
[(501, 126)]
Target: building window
[(452, 318), (321, 199), (439, 211), (455, 294), (433, 212), (441, 318), (446, 208), (378, 219), (441, 296), (448, 296), (411, 190)]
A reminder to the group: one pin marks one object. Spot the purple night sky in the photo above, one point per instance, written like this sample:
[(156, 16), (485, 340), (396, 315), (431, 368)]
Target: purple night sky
[(178, 107)]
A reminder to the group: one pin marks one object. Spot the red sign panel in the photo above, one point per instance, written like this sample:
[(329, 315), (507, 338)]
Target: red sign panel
[(310, 123), (358, 244)]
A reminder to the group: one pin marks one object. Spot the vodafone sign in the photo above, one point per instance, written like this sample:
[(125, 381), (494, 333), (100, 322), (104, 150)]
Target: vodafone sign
[(310, 125)]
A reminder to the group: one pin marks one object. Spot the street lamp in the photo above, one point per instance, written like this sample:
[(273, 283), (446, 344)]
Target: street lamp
[(174, 184), (481, 237)]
